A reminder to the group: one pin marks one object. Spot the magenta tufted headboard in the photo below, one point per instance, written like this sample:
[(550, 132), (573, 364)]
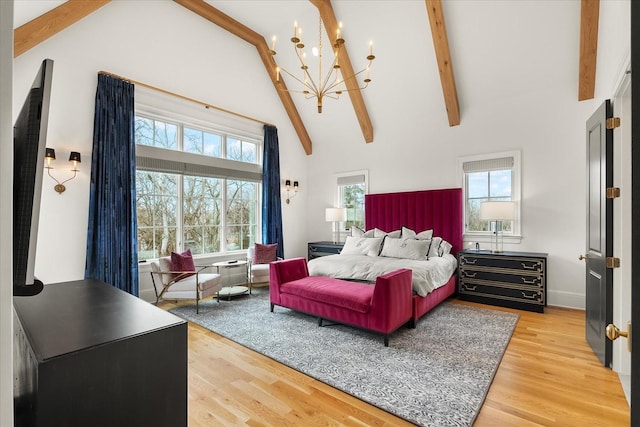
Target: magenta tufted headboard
[(418, 210)]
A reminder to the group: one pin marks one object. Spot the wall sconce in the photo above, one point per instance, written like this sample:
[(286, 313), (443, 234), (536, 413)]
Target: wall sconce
[(73, 157), (287, 187)]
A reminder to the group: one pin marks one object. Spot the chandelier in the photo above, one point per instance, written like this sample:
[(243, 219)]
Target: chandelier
[(331, 85)]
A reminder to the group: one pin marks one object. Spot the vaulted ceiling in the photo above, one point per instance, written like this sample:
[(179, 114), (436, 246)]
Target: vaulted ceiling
[(255, 22)]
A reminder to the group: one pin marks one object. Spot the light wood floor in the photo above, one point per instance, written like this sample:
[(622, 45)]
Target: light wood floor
[(548, 377)]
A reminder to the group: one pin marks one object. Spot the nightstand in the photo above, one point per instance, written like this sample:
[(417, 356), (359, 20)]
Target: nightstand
[(507, 279), (318, 249)]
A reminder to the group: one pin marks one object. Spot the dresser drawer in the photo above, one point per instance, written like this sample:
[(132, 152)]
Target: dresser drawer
[(519, 264), (509, 276), (521, 295)]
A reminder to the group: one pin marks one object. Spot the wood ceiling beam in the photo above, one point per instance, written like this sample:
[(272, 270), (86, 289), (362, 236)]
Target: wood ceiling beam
[(589, 16), (210, 13), (443, 56), (331, 25), (49, 24)]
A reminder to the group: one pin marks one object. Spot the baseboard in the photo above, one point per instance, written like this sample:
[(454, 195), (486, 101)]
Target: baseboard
[(566, 299)]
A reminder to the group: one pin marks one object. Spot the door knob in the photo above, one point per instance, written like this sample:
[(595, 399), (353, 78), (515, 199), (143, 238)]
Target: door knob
[(613, 333), (583, 257)]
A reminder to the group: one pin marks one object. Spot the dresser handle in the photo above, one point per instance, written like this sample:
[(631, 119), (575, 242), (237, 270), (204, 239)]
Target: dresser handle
[(529, 282), (469, 288), (313, 249), (470, 275), (470, 261), (534, 296), (530, 267)]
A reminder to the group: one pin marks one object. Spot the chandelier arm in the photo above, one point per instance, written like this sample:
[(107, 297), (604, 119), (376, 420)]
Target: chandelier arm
[(305, 71), (347, 79), (312, 89), (325, 85)]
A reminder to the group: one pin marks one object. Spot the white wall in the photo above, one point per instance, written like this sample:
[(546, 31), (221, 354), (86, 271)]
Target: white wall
[(142, 41), (6, 207)]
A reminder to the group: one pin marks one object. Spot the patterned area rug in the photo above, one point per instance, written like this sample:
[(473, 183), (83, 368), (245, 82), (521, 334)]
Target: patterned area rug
[(435, 375)]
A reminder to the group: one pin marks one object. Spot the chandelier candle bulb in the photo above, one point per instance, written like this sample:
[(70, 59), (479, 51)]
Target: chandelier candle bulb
[(273, 43)]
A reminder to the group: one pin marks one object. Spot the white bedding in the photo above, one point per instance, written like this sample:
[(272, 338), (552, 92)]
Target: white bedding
[(427, 275)]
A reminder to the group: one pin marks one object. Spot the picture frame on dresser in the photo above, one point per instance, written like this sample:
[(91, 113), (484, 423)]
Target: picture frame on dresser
[(507, 279)]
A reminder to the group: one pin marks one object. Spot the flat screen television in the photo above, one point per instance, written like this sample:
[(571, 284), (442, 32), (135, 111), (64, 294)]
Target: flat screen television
[(29, 146)]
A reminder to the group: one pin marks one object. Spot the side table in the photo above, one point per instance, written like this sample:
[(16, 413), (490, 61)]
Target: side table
[(232, 290)]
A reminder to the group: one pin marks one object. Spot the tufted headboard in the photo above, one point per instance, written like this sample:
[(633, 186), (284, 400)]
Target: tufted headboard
[(418, 210)]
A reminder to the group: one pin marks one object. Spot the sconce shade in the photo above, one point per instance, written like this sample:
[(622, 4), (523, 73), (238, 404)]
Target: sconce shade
[(497, 211), (287, 183), (335, 214), (50, 154), (295, 185), (74, 157)]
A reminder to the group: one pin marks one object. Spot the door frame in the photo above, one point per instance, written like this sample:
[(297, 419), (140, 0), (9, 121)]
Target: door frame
[(635, 209)]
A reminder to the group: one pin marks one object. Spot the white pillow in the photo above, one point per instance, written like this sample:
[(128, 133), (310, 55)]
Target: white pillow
[(425, 235), (405, 248), (369, 246), (445, 248), (408, 233), (357, 231), (381, 233), (435, 247)]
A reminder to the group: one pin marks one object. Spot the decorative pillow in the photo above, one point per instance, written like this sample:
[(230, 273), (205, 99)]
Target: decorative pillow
[(445, 248), (435, 247), (356, 231), (425, 235), (369, 233), (381, 233), (408, 233), (369, 246), (182, 262), (264, 254), (405, 248)]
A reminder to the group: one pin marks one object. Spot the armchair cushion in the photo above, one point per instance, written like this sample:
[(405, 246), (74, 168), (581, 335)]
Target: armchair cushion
[(264, 254), (182, 262)]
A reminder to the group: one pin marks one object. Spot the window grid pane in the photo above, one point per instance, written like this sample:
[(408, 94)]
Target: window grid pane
[(164, 198), (494, 185)]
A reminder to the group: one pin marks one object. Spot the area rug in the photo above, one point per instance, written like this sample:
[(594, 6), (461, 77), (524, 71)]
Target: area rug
[(437, 374)]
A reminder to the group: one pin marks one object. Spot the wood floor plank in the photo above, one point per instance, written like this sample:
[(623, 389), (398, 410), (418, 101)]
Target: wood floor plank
[(548, 377)]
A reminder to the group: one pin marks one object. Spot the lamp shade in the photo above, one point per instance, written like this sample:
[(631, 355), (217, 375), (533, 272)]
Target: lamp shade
[(335, 214), (497, 211), (74, 157), (50, 153)]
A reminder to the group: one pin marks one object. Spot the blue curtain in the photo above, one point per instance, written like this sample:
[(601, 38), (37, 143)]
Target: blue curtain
[(112, 254), (271, 200)]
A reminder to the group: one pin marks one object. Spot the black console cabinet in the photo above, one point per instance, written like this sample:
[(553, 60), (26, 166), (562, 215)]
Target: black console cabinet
[(508, 279), (88, 354)]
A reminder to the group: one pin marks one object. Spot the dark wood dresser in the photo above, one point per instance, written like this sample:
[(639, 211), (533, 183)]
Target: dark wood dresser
[(88, 354), (508, 279), (318, 249)]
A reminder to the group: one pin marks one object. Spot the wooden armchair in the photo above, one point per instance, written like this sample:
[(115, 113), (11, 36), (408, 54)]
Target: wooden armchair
[(175, 285)]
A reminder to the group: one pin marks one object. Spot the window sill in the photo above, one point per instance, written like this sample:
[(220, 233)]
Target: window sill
[(470, 238)]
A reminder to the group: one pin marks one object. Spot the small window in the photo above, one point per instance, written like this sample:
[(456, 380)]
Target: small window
[(493, 177), (351, 188)]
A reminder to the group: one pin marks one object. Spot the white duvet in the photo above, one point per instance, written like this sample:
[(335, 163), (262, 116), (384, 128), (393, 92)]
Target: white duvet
[(427, 275)]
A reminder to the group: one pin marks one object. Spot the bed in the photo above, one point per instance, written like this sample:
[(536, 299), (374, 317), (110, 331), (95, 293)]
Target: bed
[(417, 211)]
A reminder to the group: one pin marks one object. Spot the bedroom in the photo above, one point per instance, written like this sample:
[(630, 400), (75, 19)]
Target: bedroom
[(517, 87)]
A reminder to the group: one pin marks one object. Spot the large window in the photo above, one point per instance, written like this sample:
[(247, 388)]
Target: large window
[(351, 188), (197, 188), (493, 177)]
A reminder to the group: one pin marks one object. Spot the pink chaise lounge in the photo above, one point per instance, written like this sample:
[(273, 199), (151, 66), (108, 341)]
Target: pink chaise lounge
[(382, 307)]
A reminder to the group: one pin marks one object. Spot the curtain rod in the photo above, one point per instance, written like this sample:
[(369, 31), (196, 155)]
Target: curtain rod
[(206, 105)]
